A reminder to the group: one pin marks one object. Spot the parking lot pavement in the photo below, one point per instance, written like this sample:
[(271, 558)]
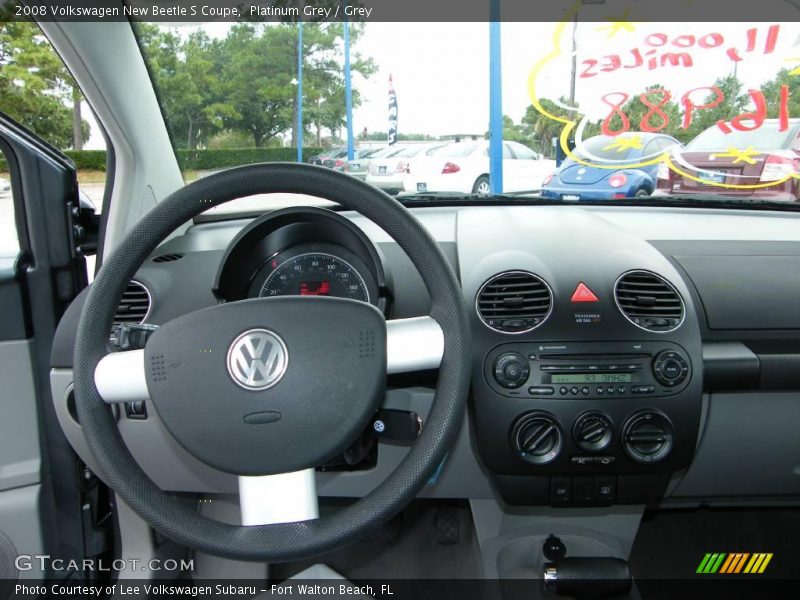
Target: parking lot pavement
[(8, 231), (95, 193)]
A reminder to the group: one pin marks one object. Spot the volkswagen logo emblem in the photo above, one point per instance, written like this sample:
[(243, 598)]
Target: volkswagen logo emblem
[(257, 359)]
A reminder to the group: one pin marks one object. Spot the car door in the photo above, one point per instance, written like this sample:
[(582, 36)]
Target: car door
[(44, 506)]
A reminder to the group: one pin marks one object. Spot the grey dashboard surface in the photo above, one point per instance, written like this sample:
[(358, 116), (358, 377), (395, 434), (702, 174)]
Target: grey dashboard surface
[(660, 233)]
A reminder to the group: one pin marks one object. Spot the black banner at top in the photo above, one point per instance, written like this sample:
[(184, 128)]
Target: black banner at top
[(402, 10)]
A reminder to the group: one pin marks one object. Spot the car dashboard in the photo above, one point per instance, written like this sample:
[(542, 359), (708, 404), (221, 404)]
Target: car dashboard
[(620, 355)]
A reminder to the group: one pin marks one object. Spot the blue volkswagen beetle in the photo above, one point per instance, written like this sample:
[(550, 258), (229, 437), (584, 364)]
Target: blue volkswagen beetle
[(575, 181)]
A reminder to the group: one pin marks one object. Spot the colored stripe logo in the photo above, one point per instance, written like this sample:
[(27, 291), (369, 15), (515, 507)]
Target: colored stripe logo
[(734, 563)]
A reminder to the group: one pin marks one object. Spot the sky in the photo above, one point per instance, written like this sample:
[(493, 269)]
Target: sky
[(441, 71)]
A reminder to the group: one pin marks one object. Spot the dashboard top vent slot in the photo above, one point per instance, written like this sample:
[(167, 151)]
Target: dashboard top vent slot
[(135, 304), (163, 258), (649, 301), (514, 302)]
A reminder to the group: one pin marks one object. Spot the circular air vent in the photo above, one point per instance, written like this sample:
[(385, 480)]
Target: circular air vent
[(163, 258), (649, 301), (514, 302), (134, 306)]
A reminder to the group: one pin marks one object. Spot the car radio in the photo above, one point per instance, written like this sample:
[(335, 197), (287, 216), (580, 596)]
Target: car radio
[(588, 369)]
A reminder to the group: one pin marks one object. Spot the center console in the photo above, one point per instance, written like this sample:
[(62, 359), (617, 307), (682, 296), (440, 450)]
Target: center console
[(587, 366)]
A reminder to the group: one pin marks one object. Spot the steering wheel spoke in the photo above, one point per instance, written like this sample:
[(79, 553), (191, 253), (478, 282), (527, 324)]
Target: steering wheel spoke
[(120, 377), (283, 498), (413, 344)]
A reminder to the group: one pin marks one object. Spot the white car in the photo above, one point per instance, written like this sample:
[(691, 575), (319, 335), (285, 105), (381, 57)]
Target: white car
[(359, 166), (387, 171), (464, 167), (5, 185)]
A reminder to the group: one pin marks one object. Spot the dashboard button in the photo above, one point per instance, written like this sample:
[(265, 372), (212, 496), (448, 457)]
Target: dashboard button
[(583, 490), (610, 389), (563, 391), (582, 460), (585, 391), (604, 489), (600, 390), (604, 460), (541, 390), (561, 491), (574, 391), (622, 389)]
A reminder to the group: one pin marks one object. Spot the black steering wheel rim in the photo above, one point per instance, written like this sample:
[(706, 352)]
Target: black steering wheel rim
[(290, 541)]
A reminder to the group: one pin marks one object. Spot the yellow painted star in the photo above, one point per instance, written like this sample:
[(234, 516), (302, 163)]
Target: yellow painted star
[(620, 144), (617, 25), (737, 155)]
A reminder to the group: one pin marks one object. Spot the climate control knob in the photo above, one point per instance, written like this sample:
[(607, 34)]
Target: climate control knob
[(511, 370), (670, 368), (592, 431), (647, 436), (536, 437)]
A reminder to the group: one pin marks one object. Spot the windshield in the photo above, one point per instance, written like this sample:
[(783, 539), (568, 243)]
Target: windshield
[(638, 96)]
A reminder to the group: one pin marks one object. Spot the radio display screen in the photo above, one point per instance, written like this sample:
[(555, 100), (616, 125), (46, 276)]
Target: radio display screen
[(592, 378)]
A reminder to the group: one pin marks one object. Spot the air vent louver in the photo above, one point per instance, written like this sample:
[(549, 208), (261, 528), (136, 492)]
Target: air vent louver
[(649, 301), (168, 257), (514, 302), (134, 306)]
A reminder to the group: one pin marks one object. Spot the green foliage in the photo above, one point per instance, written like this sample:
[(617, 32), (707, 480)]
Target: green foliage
[(95, 160), (35, 87), (540, 130), (221, 159), (246, 82)]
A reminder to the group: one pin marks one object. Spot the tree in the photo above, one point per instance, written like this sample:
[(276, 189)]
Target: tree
[(35, 88), (652, 108), (771, 91), (735, 101), (256, 75), (323, 75), (541, 129)]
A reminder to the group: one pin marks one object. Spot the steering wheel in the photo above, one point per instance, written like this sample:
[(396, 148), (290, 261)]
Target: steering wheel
[(269, 388)]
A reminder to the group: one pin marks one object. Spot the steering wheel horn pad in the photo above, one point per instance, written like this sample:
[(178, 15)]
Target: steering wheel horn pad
[(270, 385)]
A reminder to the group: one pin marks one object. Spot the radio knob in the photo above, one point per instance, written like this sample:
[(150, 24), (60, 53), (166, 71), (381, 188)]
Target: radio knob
[(511, 370), (670, 368)]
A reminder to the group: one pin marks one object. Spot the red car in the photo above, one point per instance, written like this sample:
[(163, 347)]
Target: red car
[(737, 158)]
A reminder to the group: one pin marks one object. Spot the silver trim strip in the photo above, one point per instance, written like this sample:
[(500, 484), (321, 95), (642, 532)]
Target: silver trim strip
[(283, 498), (413, 344), (120, 377)]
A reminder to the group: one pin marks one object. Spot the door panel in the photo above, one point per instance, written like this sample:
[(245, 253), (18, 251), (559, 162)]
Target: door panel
[(40, 273)]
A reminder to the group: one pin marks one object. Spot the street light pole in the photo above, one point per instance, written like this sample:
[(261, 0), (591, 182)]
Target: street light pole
[(348, 90), (495, 102), (299, 136)]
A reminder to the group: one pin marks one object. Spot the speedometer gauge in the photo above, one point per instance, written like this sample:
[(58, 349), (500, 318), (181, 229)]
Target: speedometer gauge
[(315, 274)]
